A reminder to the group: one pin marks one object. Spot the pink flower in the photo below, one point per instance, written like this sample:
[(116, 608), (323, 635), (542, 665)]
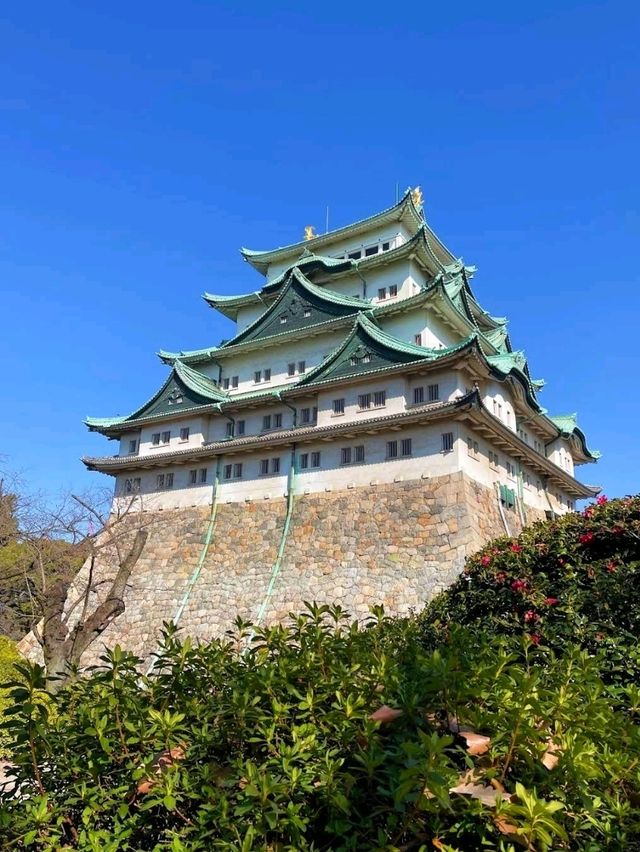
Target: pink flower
[(519, 585), (602, 499), (611, 567), (551, 601), (535, 638), (486, 560), (530, 615), (501, 577), (516, 548), (586, 538), (562, 560)]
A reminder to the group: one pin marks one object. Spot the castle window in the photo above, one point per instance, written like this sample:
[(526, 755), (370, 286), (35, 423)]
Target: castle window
[(392, 449), (264, 467), (309, 415), (304, 461), (385, 246), (203, 474), (267, 374), (307, 312), (229, 429), (345, 455), (228, 471), (133, 446), (494, 460), (184, 433), (155, 439), (315, 459), (355, 255), (352, 455), (338, 406), (266, 422), (166, 437), (225, 384), (277, 421), (418, 395), (472, 448), (275, 465), (511, 470), (160, 480), (370, 251), (364, 401), (164, 480), (257, 377), (168, 482), (417, 339), (359, 453), (291, 369), (235, 380), (393, 290), (447, 442), (366, 358), (433, 393), (380, 399), (193, 477), (239, 427), (406, 447), (283, 319), (382, 293), (132, 486), (237, 470), (302, 366)]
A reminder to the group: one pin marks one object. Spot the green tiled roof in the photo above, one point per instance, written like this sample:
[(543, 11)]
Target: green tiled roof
[(567, 424), (199, 355), (185, 389)]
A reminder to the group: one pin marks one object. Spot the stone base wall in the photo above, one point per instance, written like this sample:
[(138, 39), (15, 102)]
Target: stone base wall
[(397, 544)]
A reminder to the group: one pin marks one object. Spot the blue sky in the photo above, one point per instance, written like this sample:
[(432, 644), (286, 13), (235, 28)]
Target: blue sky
[(142, 144)]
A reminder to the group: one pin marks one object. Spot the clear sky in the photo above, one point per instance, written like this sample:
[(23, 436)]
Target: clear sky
[(141, 144)]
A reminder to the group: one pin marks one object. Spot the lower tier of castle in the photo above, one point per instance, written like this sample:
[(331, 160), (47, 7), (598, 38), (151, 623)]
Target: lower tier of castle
[(396, 544)]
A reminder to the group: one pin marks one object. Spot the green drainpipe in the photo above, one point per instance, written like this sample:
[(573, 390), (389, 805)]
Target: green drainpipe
[(521, 512), (283, 541)]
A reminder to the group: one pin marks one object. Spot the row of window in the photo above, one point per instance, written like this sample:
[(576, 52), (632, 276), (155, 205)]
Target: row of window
[(392, 290), (369, 251), (284, 318), (161, 438)]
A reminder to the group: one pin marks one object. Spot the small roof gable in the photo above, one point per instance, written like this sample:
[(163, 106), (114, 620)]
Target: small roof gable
[(184, 389), (300, 304), (567, 425), (367, 349)]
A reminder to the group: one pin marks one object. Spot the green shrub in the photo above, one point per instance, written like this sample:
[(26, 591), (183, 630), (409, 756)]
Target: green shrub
[(275, 748), (8, 657)]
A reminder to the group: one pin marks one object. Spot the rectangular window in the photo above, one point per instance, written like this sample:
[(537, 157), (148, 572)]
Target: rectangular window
[(264, 467), (267, 374), (314, 414), (393, 290), (283, 319), (302, 366), (266, 422), (184, 433), (291, 369), (447, 442), (380, 398), (203, 474), (160, 480), (257, 377), (338, 406), (229, 429), (225, 384), (304, 461), (406, 447), (385, 246), (370, 250), (355, 255), (228, 471), (494, 460), (382, 293), (364, 401), (193, 477), (306, 415), (359, 453), (307, 312), (132, 486), (275, 465), (133, 446), (166, 437), (433, 393), (345, 455), (237, 470), (392, 449), (315, 459), (277, 421), (155, 439), (239, 427), (235, 380), (168, 482), (417, 339), (418, 396)]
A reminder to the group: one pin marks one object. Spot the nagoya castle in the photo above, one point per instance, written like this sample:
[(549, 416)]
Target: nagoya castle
[(366, 426)]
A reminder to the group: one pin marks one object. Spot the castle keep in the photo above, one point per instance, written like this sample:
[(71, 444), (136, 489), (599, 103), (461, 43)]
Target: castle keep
[(367, 426)]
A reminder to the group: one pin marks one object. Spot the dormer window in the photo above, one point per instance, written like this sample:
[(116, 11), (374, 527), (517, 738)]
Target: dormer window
[(283, 319)]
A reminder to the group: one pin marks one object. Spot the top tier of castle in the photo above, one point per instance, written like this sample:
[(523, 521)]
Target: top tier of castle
[(364, 358)]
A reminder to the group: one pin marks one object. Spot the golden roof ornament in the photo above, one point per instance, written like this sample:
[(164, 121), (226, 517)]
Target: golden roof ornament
[(309, 232), (417, 197)]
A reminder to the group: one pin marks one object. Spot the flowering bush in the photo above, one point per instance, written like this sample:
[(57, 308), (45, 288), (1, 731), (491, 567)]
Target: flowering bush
[(571, 580)]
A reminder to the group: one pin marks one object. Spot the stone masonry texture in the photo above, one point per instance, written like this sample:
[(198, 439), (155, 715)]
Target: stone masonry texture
[(396, 544)]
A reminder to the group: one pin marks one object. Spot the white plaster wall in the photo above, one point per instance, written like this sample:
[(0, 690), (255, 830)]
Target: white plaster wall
[(197, 435), (246, 316), (499, 392), (395, 400), (435, 334), (181, 495)]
